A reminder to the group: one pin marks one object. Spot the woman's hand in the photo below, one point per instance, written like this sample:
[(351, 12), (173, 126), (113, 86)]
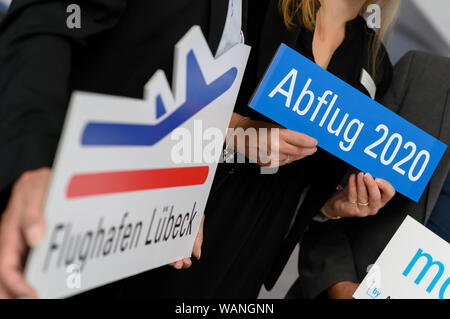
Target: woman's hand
[(196, 251), (363, 196), (272, 145)]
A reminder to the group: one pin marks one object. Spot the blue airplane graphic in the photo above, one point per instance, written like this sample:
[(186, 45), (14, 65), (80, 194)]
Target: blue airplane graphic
[(198, 96)]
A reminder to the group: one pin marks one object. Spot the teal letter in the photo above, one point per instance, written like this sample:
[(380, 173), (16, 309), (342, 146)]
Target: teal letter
[(425, 269)]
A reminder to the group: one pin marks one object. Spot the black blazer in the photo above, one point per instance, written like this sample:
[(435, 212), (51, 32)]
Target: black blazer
[(120, 45), (265, 36)]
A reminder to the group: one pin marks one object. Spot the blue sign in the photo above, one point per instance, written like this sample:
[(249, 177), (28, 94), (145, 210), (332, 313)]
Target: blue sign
[(303, 97), (199, 94)]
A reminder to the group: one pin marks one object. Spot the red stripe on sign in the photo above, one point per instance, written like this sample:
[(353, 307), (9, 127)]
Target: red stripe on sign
[(82, 185)]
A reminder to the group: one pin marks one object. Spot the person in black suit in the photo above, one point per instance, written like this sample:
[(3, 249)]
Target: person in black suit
[(249, 216), (335, 255), (439, 221), (117, 49)]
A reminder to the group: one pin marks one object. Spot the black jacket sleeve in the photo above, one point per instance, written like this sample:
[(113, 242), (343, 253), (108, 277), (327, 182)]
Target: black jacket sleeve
[(36, 52), (326, 253)]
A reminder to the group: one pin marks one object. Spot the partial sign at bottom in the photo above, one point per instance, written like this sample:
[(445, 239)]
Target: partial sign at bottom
[(414, 265)]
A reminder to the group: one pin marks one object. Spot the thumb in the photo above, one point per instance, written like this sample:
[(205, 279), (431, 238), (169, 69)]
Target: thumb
[(34, 230), (197, 250)]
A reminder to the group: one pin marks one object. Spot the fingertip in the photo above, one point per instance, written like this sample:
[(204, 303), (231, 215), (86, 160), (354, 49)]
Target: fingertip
[(369, 180), (34, 234), (21, 289), (360, 179), (307, 141), (31, 296)]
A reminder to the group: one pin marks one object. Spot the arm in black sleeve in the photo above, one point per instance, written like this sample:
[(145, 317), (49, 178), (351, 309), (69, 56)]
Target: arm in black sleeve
[(36, 51), (325, 258)]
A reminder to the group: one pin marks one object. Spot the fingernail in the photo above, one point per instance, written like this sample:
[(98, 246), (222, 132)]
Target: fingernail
[(368, 175), (361, 174), (34, 235), (178, 265)]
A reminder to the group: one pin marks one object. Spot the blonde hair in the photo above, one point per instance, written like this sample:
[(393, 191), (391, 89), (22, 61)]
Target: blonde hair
[(290, 10)]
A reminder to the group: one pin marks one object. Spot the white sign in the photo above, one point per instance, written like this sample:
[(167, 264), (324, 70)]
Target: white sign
[(118, 204), (414, 265)]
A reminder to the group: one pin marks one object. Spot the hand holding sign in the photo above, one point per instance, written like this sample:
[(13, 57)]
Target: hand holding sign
[(363, 196), (272, 145), (22, 226), (342, 290), (196, 251), (414, 265)]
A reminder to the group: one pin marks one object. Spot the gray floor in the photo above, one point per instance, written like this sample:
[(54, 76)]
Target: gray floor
[(289, 275)]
